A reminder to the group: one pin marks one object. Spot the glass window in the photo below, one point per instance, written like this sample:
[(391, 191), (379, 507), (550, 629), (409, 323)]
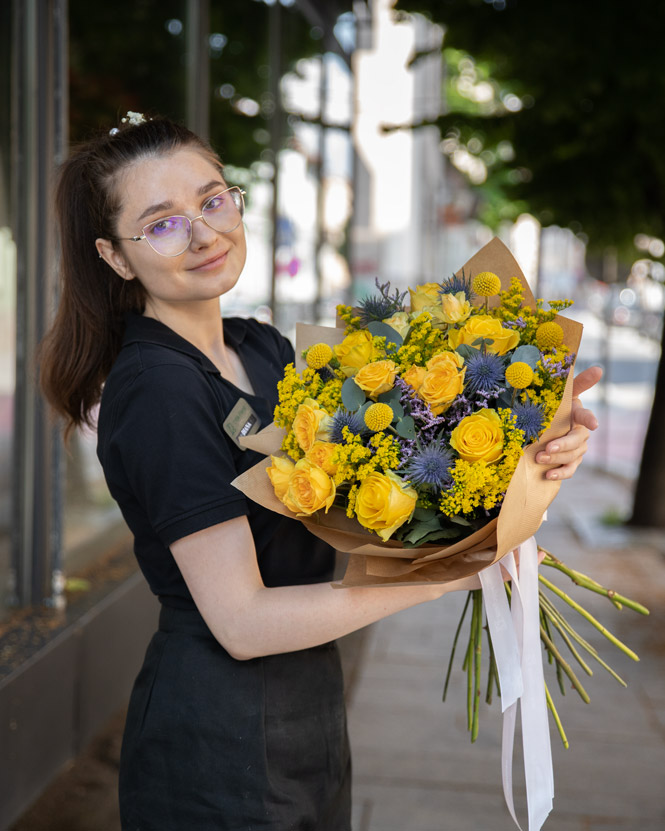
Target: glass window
[(7, 307), (123, 56)]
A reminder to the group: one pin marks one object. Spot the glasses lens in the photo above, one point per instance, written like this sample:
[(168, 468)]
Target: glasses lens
[(169, 236), (224, 212)]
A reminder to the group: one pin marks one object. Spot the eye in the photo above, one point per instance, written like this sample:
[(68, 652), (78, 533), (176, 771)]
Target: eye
[(215, 202), (164, 227)]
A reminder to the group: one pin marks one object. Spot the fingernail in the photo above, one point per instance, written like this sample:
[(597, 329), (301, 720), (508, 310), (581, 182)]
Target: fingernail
[(552, 475), (544, 458), (554, 448)]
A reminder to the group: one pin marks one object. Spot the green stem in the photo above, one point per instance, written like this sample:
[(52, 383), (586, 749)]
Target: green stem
[(478, 641), (589, 583), (565, 666), (569, 644), (452, 653), (468, 664), (557, 720), (592, 620), (492, 675)]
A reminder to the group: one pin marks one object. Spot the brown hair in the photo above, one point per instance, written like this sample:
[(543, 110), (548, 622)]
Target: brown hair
[(77, 353)]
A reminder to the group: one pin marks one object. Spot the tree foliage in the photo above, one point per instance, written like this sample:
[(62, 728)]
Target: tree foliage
[(588, 134)]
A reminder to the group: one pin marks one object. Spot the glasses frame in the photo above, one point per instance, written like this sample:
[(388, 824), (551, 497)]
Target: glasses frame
[(241, 209)]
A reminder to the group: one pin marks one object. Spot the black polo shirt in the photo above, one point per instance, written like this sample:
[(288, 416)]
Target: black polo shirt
[(169, 463)]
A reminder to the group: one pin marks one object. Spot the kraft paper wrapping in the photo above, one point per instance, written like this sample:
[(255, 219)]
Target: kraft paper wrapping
[(375, 563)]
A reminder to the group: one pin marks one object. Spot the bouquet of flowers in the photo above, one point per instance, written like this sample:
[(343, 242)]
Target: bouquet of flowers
[(407, 437)]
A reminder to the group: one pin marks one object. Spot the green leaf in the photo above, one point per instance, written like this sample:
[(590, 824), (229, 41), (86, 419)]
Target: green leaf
[(388, 397), (423, 514), (467, 351), (406, 428), (352, 396), (383, 330), (528, 354), (398, 410)]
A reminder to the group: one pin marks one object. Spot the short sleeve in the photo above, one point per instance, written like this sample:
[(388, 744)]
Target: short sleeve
[(168, 453)]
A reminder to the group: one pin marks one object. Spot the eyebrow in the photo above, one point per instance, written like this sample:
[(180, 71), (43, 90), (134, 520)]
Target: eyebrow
[(168, 205)]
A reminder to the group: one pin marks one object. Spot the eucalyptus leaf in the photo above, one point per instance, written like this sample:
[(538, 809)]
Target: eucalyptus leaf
[(406, 428), (467, 351), (383, 330), (352, 396), (398, 410), (423, 514), (388, 397), (528, 354)]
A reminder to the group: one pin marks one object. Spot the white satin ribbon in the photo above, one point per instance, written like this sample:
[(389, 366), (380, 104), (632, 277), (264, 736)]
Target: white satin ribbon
[(515, 632)]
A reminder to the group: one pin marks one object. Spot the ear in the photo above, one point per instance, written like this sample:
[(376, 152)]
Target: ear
[(114, 258)]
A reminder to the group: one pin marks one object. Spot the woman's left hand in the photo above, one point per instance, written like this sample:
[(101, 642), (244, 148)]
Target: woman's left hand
[(567, 451)]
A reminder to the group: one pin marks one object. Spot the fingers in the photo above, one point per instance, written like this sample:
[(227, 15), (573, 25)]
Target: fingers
[(586, 379), (582, 416), (566, 452)]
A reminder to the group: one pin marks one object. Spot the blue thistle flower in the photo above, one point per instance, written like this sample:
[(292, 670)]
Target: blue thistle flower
[(383, 306), (343, 418), (454, 284), (430, 466), (529, 417), (485, 372)]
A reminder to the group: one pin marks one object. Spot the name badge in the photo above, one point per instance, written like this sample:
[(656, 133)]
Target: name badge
[(241, 421)]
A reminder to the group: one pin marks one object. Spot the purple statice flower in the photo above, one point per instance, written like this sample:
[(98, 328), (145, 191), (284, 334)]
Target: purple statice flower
[(518, 323), (430, 465), (529, 418), (485, 372), (557, 369)]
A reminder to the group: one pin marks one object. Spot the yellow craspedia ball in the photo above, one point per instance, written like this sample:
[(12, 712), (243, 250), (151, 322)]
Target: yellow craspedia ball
[(486, 284), (378, 416), (318, 355), (549, 335), (519, 375)]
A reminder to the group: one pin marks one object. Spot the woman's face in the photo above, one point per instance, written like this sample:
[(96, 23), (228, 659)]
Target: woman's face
[(174, 184)]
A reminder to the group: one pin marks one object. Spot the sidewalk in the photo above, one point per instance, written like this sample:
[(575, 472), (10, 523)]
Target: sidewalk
[(414, 766)]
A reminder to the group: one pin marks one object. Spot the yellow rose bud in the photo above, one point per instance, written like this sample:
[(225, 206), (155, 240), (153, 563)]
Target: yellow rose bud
[(384, 502), (486, 284), (310, 423), (414, 376), (356, 350), (309, 489), (378, 417), (485, 326), (399, 322), (318, 355), (549, 335), (455, 308), (441, 385), (377, 377), (479, 437), (424, 296), (321, 454), (279, 472), (519, 375)]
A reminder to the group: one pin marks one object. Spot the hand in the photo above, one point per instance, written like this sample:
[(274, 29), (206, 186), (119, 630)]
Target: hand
[(567, 451)]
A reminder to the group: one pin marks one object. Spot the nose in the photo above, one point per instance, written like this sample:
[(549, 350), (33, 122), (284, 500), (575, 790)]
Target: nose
[(202, 234)]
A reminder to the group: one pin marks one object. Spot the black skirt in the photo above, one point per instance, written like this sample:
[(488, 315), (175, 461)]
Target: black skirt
[(215, 743)]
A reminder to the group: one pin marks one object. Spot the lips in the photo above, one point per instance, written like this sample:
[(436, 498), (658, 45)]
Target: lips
[(211, 262)]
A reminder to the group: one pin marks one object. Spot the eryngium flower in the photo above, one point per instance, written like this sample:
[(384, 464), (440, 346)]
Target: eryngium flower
[(341, 419), (454, 284), (485, 372), (383, 306), (429, 466), (529, 417)]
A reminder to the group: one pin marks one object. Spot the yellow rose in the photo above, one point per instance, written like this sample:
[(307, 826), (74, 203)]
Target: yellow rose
[(424, 296), (399, 322), (479, 437), (384, 502), (377, 377), (356, 350), (485, 326), (442, 358), (455, 308), (279, 472), (310, 423), (309, 489), (414, 376), (441, 385), (321, 453)]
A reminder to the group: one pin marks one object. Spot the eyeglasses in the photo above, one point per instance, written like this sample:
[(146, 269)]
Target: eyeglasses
[(171, 235)]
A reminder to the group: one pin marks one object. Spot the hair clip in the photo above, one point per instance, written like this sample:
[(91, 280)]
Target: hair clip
[(134, 119), (114, 131)]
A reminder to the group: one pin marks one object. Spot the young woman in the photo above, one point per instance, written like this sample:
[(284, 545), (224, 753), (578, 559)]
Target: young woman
[(237, 717)]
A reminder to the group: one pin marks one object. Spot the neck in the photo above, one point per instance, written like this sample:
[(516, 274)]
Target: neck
[(200, 324)]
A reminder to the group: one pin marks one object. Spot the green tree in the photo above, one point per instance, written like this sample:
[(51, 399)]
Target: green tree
[(573, 131)]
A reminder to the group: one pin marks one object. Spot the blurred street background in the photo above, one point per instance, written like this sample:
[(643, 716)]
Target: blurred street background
[(376, 139)]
